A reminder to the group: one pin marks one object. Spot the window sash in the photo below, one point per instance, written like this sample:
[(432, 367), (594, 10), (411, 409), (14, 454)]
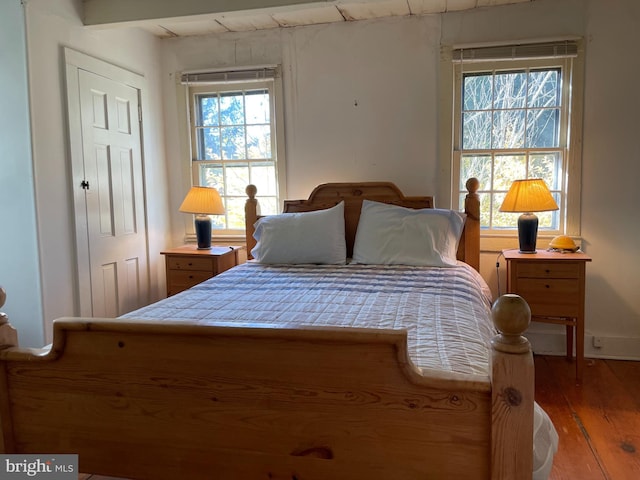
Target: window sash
[(235, 198), (565, 64)]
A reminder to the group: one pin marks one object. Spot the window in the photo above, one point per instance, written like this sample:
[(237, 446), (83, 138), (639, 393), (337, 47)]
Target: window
[(516, 119), (235, 141)]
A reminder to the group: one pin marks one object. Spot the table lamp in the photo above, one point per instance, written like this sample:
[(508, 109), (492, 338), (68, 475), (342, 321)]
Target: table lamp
[(203, 201), (528, 196)]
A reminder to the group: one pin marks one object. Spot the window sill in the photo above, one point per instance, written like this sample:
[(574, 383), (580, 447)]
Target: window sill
[(219, 239), (497, 243)]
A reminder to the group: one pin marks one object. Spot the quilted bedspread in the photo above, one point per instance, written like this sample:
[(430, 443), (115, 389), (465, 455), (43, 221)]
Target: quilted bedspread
[(446, 311)]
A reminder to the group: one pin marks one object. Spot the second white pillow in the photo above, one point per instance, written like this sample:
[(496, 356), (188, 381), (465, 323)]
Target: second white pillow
[(393, 235)]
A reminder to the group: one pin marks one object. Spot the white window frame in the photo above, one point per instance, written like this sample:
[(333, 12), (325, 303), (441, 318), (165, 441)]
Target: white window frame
[(233, 80), (572, 65)]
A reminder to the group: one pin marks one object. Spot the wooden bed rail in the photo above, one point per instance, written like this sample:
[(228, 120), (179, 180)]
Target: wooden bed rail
[(157, 400)]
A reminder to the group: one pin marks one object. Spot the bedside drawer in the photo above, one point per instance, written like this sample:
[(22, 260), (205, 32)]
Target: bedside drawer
[(190, 263), (553, 310), (225, 262), (187, 266), (552, 297), (548, 270), (188, 279)]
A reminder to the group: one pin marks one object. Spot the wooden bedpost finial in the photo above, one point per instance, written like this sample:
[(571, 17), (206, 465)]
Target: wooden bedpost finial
[(472, 200), (472, 185), (511, 316), (251, 191), (8, 334), (3, 298)]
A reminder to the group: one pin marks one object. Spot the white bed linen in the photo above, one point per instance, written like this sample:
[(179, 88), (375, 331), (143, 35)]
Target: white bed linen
[(446, 312)]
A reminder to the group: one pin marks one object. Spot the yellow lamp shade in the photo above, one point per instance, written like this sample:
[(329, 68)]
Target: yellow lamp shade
[(530, 195), (202, 200)]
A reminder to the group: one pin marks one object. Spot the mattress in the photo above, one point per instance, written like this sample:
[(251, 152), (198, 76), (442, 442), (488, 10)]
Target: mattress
[(445, 311)]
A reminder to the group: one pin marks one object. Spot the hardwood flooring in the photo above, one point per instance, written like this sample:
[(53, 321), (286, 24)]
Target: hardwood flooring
[(598, 422)]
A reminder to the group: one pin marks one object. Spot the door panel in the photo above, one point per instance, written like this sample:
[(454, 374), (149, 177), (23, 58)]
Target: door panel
[(106, 301), (127, 184), (114, 200), (101, 168)]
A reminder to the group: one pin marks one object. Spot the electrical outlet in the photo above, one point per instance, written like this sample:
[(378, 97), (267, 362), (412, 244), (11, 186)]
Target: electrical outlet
[(598, 342)]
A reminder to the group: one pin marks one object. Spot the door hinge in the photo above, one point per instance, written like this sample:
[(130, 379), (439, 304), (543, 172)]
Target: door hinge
[(85, 185), (140, 113)]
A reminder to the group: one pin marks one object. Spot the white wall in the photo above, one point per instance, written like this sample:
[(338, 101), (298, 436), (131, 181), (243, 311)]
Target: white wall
[(328, 69), (52, 25), (390, 67), (19, 258), (611, 169)]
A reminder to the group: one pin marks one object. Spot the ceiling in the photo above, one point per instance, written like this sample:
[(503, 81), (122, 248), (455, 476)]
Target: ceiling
[(199, 17)]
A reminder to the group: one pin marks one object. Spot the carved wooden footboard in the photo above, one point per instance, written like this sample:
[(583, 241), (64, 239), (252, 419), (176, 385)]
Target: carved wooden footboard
[(166, 401)]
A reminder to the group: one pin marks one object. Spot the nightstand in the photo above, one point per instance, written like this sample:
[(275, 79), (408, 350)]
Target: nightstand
[(187, 266), (553, 285)]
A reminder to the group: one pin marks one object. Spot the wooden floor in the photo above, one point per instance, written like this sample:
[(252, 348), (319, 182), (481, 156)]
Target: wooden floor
[(598, 422)]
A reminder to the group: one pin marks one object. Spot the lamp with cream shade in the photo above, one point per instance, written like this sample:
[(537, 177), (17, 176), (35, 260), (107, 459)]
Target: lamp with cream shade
[(528, 196), (203, 201)]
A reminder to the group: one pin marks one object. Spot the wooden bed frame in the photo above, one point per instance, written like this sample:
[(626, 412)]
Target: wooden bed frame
[(164, 400)]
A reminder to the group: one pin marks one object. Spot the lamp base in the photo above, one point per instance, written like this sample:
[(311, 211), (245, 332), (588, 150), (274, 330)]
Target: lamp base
[(527, 232), (203, 232)]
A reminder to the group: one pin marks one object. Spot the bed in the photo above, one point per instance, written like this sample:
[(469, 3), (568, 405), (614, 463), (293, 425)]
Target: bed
[(292, 371)]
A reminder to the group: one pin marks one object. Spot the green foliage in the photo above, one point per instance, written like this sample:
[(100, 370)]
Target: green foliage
[(233, 137)]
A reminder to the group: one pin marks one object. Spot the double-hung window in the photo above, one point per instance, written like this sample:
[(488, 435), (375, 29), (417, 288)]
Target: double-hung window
[(517, 115), (236, 139)]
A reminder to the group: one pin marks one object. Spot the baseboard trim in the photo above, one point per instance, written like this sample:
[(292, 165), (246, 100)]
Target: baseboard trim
[(613, 348)]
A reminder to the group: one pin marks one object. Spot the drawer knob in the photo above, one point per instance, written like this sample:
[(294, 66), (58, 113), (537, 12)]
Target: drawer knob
[(547, 286), (547, 271)]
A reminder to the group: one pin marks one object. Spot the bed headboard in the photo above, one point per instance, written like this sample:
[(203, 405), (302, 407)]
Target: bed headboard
[(329, 194)]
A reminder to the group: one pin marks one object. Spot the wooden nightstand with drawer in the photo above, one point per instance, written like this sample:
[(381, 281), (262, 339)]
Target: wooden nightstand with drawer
[(187, 266), (553, 284)]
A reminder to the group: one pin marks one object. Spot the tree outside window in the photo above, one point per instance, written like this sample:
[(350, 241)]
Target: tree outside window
[(233, 146), (511, 129), (517, 111)]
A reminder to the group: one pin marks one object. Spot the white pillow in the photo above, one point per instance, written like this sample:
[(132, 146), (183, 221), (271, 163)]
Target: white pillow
[(393, 235), (308, 237)]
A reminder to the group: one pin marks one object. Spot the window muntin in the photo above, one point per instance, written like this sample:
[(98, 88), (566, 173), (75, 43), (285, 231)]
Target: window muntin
[(233, 145), (511, 122)]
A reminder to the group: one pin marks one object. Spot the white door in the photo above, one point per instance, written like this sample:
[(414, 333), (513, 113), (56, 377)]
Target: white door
[(109, 196)]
